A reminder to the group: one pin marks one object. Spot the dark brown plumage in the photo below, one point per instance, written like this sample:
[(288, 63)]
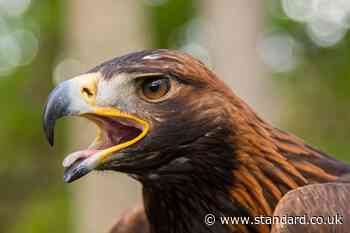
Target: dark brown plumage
[(206, 151)]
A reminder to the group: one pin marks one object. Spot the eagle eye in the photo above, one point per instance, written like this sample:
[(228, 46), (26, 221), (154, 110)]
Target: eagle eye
[(155, 88)]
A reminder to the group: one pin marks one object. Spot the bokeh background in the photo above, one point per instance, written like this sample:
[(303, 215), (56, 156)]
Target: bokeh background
[(290, 59)]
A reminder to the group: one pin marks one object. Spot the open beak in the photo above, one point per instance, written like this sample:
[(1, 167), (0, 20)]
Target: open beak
[(117, 130)]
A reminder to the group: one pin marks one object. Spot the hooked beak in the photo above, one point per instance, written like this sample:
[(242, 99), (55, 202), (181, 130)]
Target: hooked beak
[(117, 129)]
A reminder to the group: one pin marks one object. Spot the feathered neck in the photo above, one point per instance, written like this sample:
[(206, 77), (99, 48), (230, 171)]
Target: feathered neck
[(242, 168), (272, 162), (178, 195)]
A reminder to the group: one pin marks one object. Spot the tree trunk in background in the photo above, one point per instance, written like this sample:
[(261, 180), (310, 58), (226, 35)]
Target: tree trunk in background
[(98, 31), (233, 29)]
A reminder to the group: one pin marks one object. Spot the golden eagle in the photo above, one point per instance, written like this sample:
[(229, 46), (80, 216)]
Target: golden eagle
[(167, 121)]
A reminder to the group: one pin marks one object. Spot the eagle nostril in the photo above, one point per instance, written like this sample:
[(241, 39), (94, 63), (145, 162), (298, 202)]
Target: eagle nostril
[(87, 93), (88, 90)]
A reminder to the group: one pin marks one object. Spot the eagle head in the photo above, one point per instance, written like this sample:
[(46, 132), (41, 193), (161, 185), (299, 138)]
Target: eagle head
[(153, 109)]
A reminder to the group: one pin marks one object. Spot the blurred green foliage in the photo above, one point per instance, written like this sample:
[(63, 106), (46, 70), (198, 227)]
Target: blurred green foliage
[(166, 20), (318, 90), (31, 197)]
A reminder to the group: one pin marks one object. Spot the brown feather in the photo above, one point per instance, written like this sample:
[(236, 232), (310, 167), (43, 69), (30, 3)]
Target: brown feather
[(241, 155), (328, 201)]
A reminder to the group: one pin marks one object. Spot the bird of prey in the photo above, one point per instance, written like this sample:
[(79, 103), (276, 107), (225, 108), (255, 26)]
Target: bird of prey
[(166, 120)]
